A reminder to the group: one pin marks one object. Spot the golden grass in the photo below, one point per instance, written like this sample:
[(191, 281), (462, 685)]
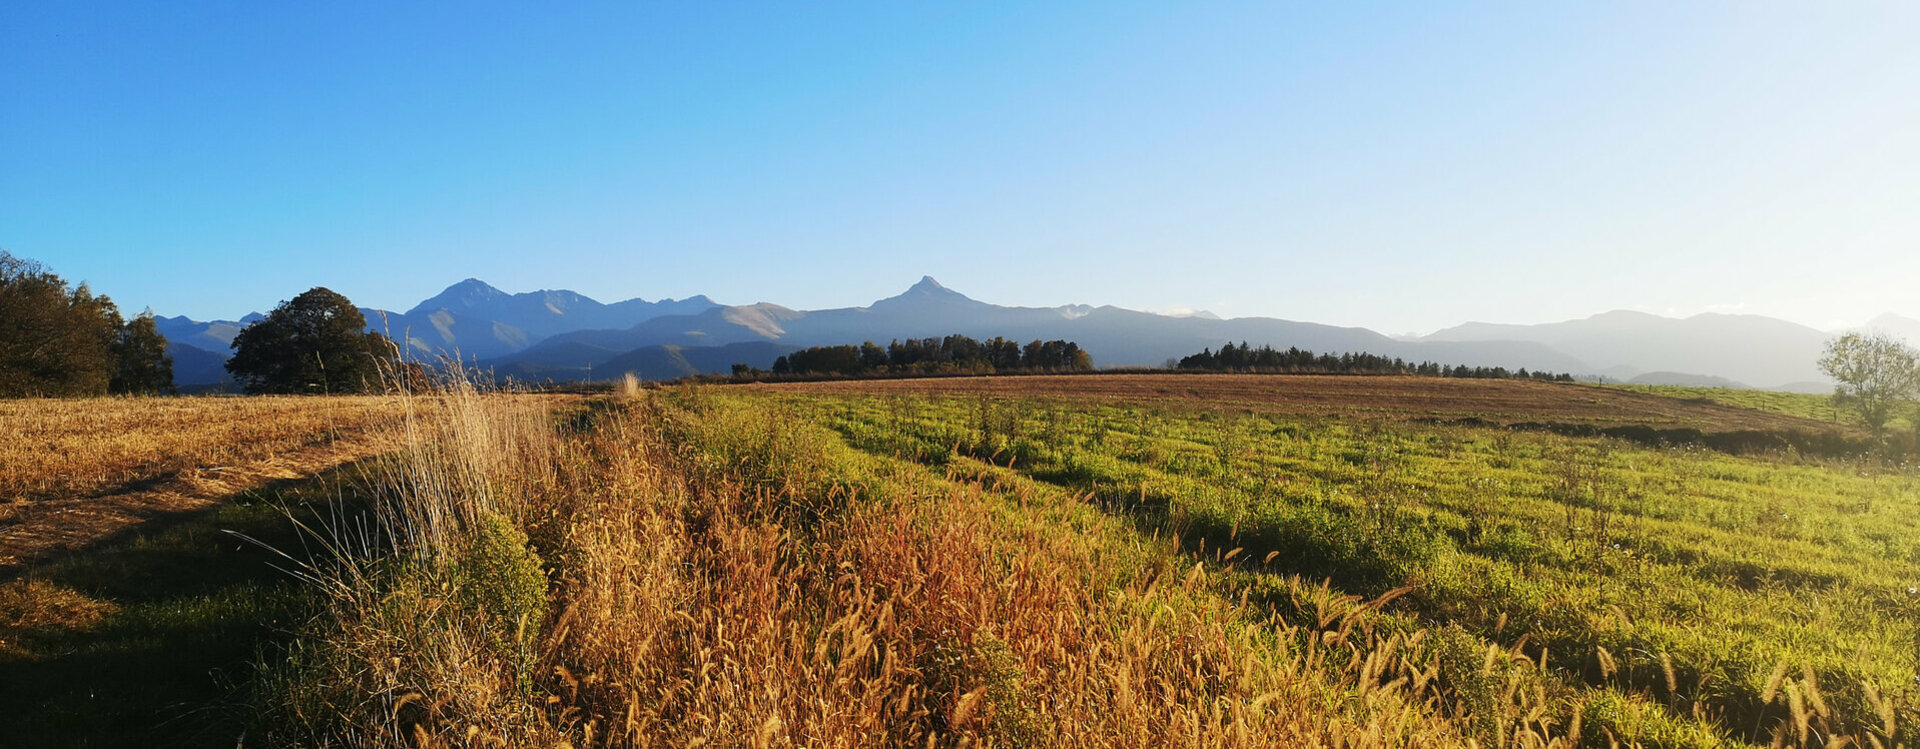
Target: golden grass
[(699, 599), (64, 447), (712, 571)]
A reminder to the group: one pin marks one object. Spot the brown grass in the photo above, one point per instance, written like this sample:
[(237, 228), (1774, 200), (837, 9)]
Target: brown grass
[(78, 471), (62, 448), (1387, 397)]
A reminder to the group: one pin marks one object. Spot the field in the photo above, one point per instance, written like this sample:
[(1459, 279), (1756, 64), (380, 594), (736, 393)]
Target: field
[(76, 471), (1804, 405), (1383, 397), (1044, 561)]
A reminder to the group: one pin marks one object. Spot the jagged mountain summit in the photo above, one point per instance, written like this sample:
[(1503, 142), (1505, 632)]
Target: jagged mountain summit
[(478, 321)]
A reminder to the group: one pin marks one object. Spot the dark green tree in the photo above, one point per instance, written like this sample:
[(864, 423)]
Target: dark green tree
[(141, 363), (55, 340), (315, 343), (872, 357)]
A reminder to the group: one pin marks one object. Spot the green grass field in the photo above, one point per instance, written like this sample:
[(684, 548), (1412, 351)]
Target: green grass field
[(1674, 591), (826, 566), (1804, 405)]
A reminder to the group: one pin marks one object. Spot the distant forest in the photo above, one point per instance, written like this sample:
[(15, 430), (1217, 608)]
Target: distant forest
[(1244, 358), (954, 354)]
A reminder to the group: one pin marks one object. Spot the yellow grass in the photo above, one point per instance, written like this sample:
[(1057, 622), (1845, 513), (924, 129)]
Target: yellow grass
[(722, 576), (64, 447)]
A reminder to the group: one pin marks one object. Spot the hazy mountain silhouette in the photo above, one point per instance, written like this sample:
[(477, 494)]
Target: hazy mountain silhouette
[(211, 336), (1686, 380), (1899, 327), (1113, 336), (579, 361), (561, 334), (482, 322), (196, 367), (1759, 350)]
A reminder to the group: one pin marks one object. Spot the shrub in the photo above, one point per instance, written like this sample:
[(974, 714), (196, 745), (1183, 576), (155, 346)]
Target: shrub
[(501, 578)]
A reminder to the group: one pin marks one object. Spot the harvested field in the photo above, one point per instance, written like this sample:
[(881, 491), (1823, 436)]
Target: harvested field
[(1505, 402), (61, 448), (78, 471), (73, 472)]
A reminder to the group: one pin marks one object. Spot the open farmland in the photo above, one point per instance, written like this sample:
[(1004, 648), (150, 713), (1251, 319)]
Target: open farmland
[(1207, 561), (75, 471), (127, 610), (1387, 397), (1676, 588), (1804, 405)]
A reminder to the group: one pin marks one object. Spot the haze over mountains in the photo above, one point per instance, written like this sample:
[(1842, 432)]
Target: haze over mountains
[(563, 335)]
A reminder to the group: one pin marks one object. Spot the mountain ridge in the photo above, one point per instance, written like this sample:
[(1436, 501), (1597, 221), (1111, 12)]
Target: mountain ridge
[(558, 330)]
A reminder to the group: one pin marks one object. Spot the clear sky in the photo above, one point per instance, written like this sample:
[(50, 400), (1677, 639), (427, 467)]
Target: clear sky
[(1400, 166)]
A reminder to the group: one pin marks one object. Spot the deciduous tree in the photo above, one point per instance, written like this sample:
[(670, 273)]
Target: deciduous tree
[(55, 340), (141, 363), (315, 343), (1877, 376)]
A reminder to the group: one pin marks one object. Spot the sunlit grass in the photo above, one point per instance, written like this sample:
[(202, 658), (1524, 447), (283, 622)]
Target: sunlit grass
[(733, 568)]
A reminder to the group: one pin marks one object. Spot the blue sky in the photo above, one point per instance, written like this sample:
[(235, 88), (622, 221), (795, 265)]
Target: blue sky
[(1398, 166)]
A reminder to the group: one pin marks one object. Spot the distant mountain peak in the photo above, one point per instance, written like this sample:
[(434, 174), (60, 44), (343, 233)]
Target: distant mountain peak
[(472, 286), (927, 290), (466, 294)]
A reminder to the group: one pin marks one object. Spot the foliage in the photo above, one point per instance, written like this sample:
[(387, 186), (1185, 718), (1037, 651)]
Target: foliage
[(1877, 375), (142, 364), (952, 354), (315, 343), (504, 583), (57, 340), (54, 340), (1244, 358)]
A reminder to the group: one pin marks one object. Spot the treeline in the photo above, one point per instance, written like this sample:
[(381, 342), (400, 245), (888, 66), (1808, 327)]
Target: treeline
[(954, 354), (58, 340), (1245, 358)]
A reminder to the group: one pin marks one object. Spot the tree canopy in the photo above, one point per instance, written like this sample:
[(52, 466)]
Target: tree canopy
[(1876, 375), (142, 366), (315, 343), (1245, 358), (954, 354), (60, 340)]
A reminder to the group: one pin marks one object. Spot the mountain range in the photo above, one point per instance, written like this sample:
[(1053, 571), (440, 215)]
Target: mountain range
[(564, 335)]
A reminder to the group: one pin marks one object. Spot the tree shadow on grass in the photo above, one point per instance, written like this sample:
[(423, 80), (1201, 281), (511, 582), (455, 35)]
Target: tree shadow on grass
[(179, 608)]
